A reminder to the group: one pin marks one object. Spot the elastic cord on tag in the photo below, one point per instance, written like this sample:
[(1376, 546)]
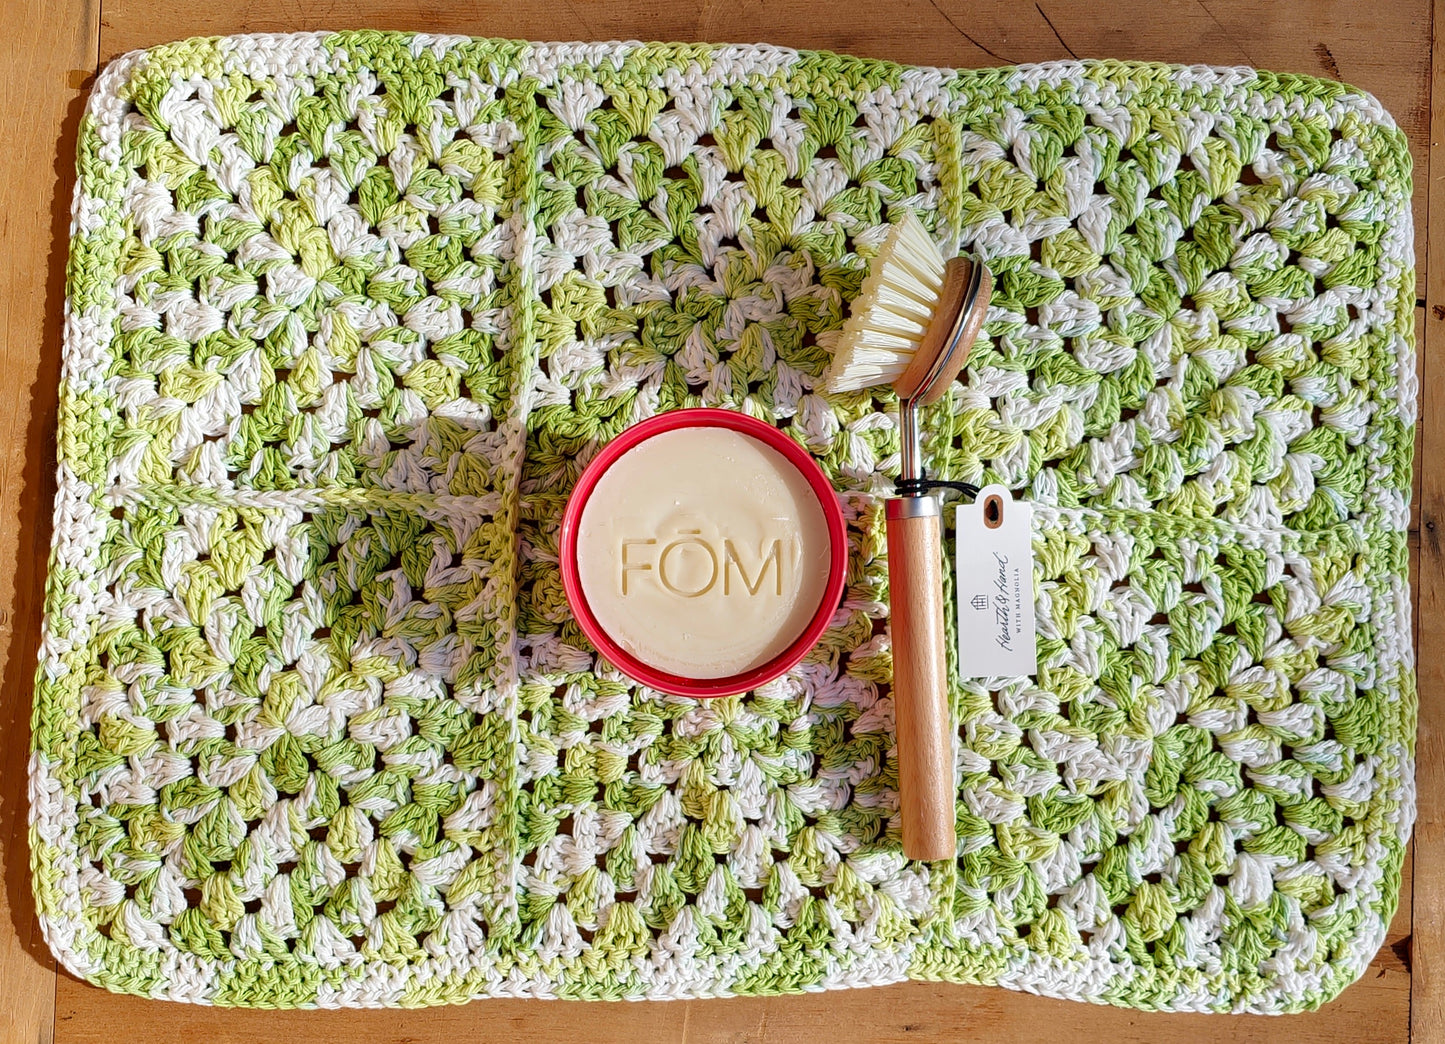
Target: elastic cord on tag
[(906, 487)]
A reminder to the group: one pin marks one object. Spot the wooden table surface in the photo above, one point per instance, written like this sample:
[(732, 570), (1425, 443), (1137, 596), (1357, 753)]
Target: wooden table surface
[(52, 51)]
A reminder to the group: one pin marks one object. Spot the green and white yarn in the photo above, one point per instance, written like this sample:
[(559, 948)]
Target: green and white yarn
[(347, 315)]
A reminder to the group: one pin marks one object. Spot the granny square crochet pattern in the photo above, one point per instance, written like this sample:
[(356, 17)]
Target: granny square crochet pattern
[(347, 315)]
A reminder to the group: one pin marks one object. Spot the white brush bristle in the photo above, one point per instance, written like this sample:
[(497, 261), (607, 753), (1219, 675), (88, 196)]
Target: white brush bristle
[(891, 313)]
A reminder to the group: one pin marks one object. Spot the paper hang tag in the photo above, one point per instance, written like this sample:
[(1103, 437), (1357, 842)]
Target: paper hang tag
[(995, 584)]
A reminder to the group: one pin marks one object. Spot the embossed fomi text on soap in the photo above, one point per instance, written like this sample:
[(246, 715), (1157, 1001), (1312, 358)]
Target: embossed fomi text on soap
[(689, 565)]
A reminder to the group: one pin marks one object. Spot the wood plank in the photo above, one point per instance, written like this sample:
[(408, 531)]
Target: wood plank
[(1418, 477), (1427, 1018), (50, 54), (1400, 926), (1385, 50)]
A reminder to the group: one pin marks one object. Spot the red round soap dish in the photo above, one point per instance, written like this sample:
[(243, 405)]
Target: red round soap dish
[(837, 557)]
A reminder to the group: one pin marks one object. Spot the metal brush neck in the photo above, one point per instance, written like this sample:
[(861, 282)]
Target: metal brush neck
[(911, 441)]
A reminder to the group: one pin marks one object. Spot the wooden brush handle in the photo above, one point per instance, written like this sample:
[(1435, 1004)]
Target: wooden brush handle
[(920, 678)]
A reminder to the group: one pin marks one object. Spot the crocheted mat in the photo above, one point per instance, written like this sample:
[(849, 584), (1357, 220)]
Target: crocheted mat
[(347, 315)]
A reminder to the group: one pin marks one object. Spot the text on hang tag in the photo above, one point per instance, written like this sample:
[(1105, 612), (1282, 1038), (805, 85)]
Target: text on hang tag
[(995, 584)]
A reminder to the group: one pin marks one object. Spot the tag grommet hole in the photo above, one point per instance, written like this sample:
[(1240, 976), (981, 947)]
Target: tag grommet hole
[(993, 511)]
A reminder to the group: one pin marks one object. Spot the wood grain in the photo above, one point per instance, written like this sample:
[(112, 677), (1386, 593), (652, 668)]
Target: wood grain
[(50, 54), (52, 46), (926, 788), (1427, 1017)]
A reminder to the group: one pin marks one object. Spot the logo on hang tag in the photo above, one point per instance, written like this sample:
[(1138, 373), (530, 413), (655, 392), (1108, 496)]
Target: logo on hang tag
[(995, 584)]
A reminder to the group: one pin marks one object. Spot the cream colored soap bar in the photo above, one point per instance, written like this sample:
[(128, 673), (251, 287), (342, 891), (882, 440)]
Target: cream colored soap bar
[(703, 552)]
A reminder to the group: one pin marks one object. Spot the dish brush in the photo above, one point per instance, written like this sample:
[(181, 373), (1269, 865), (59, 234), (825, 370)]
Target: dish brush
[(912, 326)]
